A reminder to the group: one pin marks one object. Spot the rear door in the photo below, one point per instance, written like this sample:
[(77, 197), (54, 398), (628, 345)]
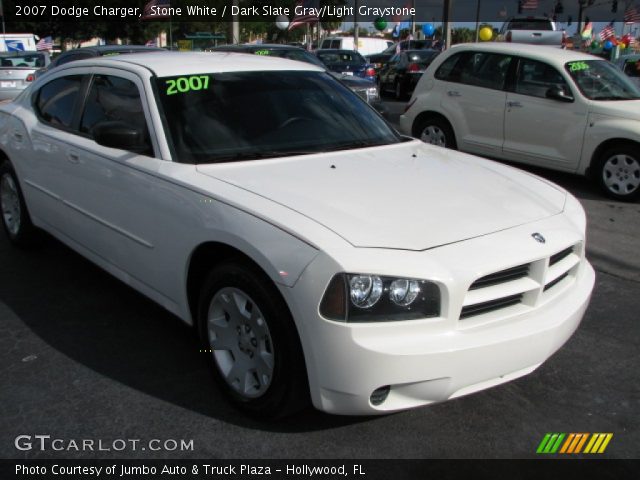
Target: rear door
[(473, 98)]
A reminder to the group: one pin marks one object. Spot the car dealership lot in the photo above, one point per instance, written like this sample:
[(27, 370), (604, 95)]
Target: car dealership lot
[(84, 357)]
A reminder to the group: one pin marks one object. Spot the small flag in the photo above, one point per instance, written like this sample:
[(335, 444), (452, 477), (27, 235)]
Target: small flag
[(151, 13), (587, 30), (631, 15), (45, 43), (607, 32), (305, 16), (529, 4)]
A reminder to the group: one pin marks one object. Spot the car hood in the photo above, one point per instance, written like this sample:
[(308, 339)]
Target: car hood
[(409, 196)]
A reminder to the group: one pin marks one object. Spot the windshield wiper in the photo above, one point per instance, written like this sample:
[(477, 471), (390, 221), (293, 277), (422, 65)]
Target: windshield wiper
[(353, 145)]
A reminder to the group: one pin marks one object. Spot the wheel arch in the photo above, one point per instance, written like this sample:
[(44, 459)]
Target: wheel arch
[(603, 147)]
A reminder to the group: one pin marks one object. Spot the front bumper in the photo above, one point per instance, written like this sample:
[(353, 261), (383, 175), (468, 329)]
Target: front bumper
[(431, 360)]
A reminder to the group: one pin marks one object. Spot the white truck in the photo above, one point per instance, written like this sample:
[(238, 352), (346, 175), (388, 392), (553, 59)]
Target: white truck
[(534, 30), (17, 42)]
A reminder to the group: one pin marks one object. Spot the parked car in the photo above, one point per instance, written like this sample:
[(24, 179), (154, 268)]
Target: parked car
[(366, 45), (318, 252), (400, 75), (95, 51), (347, 62), (542, 106), (379, 59), (630, 66), (17, 71), (363, 88), (534, 30)]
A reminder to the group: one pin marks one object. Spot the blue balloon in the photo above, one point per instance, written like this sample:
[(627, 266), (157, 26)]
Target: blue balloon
[(428, 29), (608, 45)]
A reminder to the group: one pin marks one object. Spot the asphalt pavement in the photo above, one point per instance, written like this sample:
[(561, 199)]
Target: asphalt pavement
[(82, 356)]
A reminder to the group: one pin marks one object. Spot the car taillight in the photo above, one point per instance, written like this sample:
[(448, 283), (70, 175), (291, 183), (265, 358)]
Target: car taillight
[(370, 72), (30, 78), (413, 67), (508, 37)]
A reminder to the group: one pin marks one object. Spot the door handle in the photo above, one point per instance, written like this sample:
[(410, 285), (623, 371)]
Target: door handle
[(73, 157), (17, 136), (453, 93), (514, 104)]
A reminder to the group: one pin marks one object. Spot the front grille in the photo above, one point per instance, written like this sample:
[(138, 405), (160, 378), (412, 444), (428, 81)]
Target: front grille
[(526, 284), (556, 281), (491, 305), (501, 277), (560, 255)]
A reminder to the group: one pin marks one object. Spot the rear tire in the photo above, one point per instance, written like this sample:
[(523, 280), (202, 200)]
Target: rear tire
[(618, 172), (251, 342), (13, 209), (435, 131)]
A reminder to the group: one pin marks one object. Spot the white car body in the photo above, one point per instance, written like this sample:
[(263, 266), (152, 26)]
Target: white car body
[(304, 219), (503, 124)]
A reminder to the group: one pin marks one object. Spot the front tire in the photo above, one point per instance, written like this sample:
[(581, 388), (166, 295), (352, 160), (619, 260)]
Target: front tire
[(251, 342), (618, 172), (13, 209), (435, 131)]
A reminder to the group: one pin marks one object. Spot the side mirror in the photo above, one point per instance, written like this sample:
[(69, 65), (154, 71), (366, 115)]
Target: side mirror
[(116, 134), (559, 93)]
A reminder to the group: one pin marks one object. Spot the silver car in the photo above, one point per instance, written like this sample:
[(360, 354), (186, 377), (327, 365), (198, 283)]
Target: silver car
[(630, 65), (17, 71)]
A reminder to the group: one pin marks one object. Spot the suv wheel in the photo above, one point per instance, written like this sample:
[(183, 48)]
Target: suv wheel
[(436, 131), (618, 172)]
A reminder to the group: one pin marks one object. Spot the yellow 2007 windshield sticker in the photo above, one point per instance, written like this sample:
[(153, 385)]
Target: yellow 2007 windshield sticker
[(577, 66), (187, 84)]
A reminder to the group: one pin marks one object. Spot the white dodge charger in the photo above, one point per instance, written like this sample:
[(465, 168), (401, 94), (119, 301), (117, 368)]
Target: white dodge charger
[(320, 254)]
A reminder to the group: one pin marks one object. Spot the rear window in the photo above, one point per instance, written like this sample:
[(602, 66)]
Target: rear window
[(33, 60), (530, 24)]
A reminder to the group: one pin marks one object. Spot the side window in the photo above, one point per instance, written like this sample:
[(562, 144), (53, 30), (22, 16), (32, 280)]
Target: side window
[(115, 99), (446, 70), (486, 70), (56, 100), (535, 78), (632, 68)]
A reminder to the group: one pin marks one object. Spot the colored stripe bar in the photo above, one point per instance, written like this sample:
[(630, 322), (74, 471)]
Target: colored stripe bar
[(551, 443), (543, 443), (608, 438), (582, 442), (555, 447), (594, 437), (596, 446), (567, 443)]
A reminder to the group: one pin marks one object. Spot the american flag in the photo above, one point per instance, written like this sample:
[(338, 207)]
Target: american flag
[(299, 20), (45, 43), (631, 15), (607, 32), (148, 14), (529, 4)]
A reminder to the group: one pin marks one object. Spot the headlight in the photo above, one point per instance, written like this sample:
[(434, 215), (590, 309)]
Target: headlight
[(374, 298)]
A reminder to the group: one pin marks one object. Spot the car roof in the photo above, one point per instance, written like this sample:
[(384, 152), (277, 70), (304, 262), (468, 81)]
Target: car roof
[(555, 55), (169, 64), (257, 46), (335, 50), (101, 49)]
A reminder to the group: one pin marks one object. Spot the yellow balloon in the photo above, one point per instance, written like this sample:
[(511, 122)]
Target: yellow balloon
[(486, 34)]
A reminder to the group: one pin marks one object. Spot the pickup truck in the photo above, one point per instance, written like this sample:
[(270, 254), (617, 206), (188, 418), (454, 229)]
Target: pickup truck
[(534, 30)]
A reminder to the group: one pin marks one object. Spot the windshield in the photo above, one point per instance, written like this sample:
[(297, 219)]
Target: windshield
[(601, 80), (224, 117), (292, 54)]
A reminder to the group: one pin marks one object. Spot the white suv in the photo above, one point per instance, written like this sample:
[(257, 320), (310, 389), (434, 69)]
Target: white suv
[(541, 106)]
